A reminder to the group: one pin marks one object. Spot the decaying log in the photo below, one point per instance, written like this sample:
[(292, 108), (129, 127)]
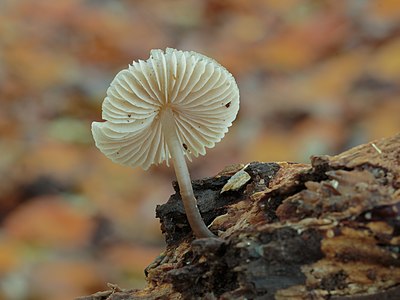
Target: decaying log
[(329, 230)]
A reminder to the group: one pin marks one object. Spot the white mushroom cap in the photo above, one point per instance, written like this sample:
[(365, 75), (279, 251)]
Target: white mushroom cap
[(202, 95)]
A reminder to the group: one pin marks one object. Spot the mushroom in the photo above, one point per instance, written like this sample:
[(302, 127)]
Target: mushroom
[(174, 104)]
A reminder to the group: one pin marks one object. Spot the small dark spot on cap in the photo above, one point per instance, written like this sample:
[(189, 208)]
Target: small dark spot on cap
[(228, 104), (185, 146)]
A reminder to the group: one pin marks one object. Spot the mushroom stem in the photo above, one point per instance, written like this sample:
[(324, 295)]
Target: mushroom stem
[(196, 222)]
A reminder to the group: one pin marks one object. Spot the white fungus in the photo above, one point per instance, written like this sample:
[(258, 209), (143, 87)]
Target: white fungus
[(175, 104)]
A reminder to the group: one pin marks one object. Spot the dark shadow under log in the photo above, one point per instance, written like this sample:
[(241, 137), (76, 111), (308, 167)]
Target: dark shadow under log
[(329, 230)]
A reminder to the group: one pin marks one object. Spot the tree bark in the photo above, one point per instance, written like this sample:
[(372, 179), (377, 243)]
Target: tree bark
[(325, 230)]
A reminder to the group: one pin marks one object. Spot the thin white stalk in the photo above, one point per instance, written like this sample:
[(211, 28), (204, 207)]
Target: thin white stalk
[(196, 222)]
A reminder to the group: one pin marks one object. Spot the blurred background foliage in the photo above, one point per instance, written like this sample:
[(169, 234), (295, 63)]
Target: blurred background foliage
[(316, 77)]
